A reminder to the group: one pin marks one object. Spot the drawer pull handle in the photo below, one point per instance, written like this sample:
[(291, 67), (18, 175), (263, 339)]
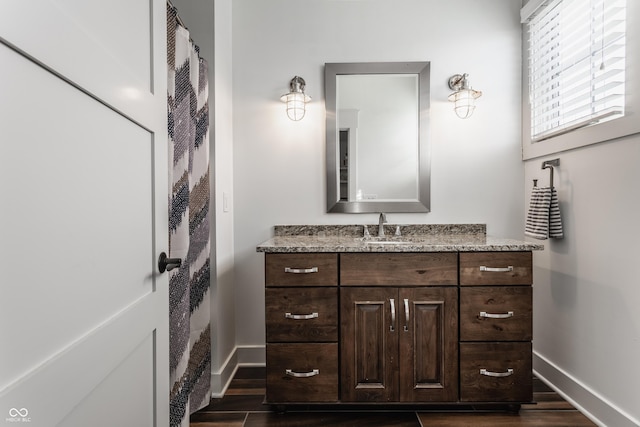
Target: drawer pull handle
[(406, 315), (496, 374), (392, 303), (496, 316), (496, 269), (301, 316), (313, 373), (301, 270)]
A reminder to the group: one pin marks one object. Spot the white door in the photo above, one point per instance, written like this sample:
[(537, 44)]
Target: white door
[(83, 213)]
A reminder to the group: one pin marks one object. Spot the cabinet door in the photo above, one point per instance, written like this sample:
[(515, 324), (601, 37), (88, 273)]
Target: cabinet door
[(369, 344), (428, 340)]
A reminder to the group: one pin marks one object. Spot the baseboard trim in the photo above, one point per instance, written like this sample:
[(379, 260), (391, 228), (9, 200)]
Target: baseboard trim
[(221, 379), (594, 406), (253, 355)]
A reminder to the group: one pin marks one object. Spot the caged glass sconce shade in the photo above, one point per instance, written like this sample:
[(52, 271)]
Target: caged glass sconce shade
[(464, 97), (296, 99)]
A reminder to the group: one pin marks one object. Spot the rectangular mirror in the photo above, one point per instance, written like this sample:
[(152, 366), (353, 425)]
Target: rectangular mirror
[(377, 137)]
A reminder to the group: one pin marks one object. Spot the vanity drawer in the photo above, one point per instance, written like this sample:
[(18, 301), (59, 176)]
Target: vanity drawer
[(302, 372), (311, 269), (496, 313), (405, 269), (495, 268), (495, 372), (302, 314)]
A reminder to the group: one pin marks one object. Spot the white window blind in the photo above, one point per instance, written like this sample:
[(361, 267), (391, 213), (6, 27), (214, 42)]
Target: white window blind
[(576, 64)]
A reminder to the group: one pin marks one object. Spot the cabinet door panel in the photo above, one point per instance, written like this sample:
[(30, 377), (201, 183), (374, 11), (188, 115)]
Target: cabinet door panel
[(428, 344), (368, 345)]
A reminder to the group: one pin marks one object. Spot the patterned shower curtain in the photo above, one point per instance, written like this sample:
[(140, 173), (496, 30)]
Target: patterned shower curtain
[(189, 312)]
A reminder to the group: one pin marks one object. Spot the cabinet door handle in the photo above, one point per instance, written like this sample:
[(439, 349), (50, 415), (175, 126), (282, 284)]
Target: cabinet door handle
[(406, 315), (496, 269), (392, 302), (496, 374), (301, 270), (291, 373), (301, 316), (496, 316)]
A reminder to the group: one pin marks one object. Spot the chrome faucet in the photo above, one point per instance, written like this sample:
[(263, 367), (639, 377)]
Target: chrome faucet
[(381, 221)]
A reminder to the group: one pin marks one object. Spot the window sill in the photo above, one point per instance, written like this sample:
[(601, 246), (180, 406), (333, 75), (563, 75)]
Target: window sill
[(601, 132)]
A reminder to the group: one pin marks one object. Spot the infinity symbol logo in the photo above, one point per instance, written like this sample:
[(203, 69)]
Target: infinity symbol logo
[(13, 412)]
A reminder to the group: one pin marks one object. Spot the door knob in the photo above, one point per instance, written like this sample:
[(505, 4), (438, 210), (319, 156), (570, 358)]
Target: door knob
[(167, 264)]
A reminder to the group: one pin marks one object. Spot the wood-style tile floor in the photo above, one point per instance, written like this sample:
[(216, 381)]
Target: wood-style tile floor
[(242, 406)]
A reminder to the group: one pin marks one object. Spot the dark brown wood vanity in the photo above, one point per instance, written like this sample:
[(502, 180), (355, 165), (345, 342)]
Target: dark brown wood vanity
[(396, 324)]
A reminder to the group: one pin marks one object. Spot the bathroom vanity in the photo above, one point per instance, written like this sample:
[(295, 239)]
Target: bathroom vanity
[(441, 314)]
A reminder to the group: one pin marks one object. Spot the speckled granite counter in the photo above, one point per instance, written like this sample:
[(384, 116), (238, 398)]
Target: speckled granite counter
[(413, 238)]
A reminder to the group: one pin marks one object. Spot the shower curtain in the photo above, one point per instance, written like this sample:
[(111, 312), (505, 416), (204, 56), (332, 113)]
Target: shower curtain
[(189, 311)]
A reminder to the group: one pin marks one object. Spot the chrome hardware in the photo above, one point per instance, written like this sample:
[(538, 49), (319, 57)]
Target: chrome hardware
[(301, 316), (497, 269), (406, 315), (549, 164), (313, 373), (393, 314), (496, 316), (301, 270), (381, 221), (167, 264), (496, 374)]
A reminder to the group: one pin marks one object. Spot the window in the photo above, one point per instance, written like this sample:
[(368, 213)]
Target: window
[(576, 64)]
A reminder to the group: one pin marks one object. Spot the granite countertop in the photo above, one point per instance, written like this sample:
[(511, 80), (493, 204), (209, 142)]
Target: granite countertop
[(413, 238)]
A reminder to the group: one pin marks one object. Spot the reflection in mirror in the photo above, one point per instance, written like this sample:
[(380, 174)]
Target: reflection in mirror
[(377, 146), (377, 120)]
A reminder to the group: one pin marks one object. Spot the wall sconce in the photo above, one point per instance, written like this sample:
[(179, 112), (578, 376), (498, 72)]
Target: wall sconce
[(296, 99), (464, 97)]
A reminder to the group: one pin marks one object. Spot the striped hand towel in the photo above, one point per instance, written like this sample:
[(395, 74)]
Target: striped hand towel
[(543, 220)]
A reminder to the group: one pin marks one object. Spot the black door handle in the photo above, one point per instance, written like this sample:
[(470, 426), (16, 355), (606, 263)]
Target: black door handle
[(167, 264)]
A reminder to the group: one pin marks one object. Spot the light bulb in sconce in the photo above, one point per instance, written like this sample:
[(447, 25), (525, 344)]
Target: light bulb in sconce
[(464, 97), (296, 99)]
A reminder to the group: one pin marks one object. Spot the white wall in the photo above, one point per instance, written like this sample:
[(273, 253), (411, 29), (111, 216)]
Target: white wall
[(586, 291), (279, 165)]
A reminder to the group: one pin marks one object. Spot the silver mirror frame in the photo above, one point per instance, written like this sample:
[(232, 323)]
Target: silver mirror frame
[(334, 204)]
